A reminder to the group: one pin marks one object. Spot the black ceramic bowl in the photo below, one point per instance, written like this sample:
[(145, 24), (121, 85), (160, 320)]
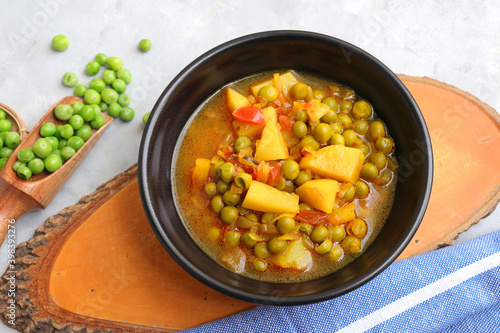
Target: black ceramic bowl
[(303, 51)]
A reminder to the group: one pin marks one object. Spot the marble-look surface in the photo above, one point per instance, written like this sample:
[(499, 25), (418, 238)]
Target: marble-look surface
[(452, 41)]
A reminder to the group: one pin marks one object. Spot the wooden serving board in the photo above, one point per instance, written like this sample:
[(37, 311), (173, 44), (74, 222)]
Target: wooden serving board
[(97, 266)]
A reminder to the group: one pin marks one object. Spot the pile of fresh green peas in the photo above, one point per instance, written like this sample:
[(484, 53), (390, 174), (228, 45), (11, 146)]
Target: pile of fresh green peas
[(9, 140), (58, 143)]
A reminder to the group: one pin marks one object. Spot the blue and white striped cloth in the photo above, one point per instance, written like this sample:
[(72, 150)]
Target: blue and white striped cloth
[(454, 289)]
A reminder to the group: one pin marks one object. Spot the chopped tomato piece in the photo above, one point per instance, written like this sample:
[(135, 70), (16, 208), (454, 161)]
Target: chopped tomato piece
[(249, 114), (286, 123), (312, 217), (275, 175)]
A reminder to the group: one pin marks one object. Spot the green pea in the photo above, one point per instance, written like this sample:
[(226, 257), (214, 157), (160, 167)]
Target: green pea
[(358, 228), (146, 117), (277, 246), (36, 166), (12, 140), (302, 177), (323, 132), (281, 184), (226, 172), (285, 225), (217, 204), (243, 180), (231, 199), (349, 194), (379, 160), (67, 131), (222, 187), (56, 152), (77, 107), (114, 110), (17, 165), (108, 76), (261, 251), (319, 233), (80, 90), (362, 189), (75, 142), (119, 86), (345, 106), (304, 206), (332, 103), (318, 94), (302, 116), (344, 120), (269, 93), (70, 79), (92, 68), (349, 137), (60, 43), (289, 187), (335, 254), (101, 58), (61, 144), (351, 244), (384, 144), (299, 129), (124, 75), (87, 113), (5, 152), (5, 125), (210, 189), (63, 112), (232, 238), (267, 217), (145, 45), (97, 122), (324, 247), (252, 217), (229, 214), (84, 132), (369, 171), (124, 100), (310, 141), (336, 127), (259, 264), (305, 228), (242, 209), (76, 121), (24, 172), (299, 90), (92, 97), (1, 142), (329, 117), (337, 233), (364, 148), (361, 110), (52, 163), (97, 84), (290, 169), (376, 130), (3, 160), (127, 114), (67, 153), (25, 155), (247, 240), (361, 127), (42, 148), (3, 114), (337, 139), (241, 143), (114, 63)]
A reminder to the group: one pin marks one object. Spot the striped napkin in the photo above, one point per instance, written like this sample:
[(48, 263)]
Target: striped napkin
[(454, 289)]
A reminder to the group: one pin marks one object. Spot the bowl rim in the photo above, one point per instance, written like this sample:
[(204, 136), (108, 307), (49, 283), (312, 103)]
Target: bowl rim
[(270, 299)]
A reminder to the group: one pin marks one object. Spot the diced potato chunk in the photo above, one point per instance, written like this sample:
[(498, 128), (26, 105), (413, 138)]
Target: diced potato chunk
[(272, 145), (287, 81), (319, 193), (337, 162), (200, 172), (244, 129), (265, 198), (296, 256), (235, 100)]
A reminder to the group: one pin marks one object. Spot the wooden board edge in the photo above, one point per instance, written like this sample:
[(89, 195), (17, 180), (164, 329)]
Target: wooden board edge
[(35, 311), (490, 205)]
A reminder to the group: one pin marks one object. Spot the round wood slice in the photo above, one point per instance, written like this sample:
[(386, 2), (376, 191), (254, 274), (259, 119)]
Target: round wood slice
[(98, 267)]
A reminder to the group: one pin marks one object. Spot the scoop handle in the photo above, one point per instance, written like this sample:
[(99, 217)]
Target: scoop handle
[(13, 204)]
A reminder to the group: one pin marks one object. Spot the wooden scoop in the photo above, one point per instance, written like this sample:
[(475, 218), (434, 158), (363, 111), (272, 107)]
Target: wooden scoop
[(18, 196)]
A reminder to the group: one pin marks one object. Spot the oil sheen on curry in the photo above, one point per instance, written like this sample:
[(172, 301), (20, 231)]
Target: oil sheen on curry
[(284, 177)]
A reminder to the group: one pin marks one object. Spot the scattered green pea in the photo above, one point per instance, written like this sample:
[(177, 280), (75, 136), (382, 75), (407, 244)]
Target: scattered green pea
[(101, 58), (114, 110), (127, 114), (92, 68), (97, 84), (124, 74), (60, 43), (124, 100), (114, 63), (119, 86), (146, 117), (109, 96), (70, 79), (77, 107), (80, 90), (145, 45)]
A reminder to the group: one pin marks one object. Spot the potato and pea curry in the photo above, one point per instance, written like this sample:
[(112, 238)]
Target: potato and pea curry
[(285, 177)]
